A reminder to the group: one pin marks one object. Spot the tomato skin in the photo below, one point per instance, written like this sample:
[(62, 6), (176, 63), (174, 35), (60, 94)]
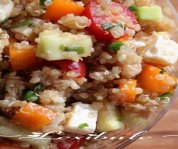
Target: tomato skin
[(70, 144), (96, 27), (69, 65)]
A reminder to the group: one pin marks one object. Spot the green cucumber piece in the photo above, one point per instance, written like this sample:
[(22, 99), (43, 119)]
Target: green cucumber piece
[(109, 119), (59, 45), (152, 13)]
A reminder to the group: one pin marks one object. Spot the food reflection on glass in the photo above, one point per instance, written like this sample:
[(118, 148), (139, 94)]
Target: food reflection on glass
[(72, 71)]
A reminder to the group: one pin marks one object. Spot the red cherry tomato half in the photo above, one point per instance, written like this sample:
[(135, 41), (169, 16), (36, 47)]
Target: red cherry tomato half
[(70, 144), (98, 17), (68, 65)]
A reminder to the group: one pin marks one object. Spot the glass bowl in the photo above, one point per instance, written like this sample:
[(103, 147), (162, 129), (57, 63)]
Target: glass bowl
[(121, 138)]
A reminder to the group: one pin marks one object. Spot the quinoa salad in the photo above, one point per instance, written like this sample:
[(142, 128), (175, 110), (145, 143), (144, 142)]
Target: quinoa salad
[(80, 67)]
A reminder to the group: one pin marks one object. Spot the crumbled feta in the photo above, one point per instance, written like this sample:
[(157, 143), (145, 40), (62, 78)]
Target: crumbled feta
[(83, 119), (164, 51), (6, 7)]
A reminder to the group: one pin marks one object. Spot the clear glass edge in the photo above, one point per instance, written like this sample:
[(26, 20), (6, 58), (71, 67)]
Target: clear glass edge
[(138, 134)]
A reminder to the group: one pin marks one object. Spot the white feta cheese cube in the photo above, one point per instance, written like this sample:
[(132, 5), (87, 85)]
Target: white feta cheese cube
[(6, 7), (164, 51), (83, 119)]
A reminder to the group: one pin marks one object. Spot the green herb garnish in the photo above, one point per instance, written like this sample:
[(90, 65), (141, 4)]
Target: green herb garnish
[(108, 26), (166, 95), (121, 25), (79, 50), (38, 87), (30, 96), (133, 8), (115, 46), (83, 125), (23, 23), (162, 71)]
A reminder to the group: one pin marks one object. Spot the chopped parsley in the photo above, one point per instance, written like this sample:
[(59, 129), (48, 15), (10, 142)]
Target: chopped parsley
[(30, 96), (83, 125), (38, 87), (133, 8), (110, 26), (115, 46), (166, 95), (121, 25), (79, 50), (162, 71), (27, 23)]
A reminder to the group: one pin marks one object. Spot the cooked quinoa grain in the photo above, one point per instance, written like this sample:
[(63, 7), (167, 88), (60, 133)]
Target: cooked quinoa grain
[(70, 70)]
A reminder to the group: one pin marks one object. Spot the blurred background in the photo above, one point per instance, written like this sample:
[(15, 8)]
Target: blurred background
[(164, 135)]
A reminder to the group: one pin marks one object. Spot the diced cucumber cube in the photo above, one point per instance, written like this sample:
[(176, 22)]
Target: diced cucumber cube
[(152, 13), (59, 45), (109, 119)]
